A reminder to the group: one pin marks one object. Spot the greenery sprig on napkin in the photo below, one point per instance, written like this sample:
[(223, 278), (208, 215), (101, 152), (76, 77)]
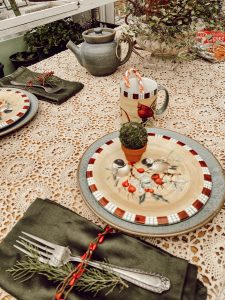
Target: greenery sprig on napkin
[(24, 75), (93, 280)]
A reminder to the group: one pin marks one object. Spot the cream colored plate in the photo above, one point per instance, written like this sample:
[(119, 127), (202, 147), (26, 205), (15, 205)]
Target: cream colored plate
[(104, 210), (170, 184), (14, 104), (28, 116)]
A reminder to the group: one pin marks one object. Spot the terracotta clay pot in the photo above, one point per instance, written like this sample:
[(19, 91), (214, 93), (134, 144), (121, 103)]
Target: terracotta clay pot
[(133, 155)]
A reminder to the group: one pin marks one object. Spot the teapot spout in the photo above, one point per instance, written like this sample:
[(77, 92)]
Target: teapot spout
[(76, 51)]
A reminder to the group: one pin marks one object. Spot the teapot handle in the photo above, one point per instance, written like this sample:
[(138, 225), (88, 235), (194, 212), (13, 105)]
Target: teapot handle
[(129, 52)]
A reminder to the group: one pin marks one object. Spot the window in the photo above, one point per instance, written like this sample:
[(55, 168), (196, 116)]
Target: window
[(34, 15)]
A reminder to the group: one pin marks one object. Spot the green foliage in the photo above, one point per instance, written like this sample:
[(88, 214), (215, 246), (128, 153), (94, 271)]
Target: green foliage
[(177, 13), (133, 135), (174, 22), (54, 35), (93, 280)]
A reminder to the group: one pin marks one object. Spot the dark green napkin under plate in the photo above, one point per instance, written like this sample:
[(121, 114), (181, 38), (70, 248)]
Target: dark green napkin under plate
[(22, 75), (58, 224)]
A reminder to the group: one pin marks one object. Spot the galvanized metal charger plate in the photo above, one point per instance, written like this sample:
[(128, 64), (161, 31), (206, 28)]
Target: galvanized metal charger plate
[(202, 214), (26, 118)]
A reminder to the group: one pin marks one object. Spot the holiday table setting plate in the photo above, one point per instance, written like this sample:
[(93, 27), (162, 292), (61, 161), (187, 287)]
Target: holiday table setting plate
[(24, 119), (14, 104), (177, 185)]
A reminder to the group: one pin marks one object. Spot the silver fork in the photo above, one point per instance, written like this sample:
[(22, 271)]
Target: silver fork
[(56, 255), (48, 89)]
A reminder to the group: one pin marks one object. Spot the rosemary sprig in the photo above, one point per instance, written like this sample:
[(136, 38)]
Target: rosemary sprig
[(25, 269), (93, 280)]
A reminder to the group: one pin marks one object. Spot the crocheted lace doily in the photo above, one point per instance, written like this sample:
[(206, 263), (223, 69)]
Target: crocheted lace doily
[(41, 159)]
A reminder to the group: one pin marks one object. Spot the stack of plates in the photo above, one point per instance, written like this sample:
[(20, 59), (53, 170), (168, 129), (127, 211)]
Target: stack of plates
[(17, 107)]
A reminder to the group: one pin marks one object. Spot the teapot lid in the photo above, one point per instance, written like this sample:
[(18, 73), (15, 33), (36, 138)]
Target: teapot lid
[(99, 35)]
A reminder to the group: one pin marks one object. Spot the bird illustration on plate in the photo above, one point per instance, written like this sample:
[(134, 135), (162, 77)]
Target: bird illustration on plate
[(119, 169)]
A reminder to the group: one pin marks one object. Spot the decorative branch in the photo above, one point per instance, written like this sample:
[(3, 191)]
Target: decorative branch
[(93, 280)]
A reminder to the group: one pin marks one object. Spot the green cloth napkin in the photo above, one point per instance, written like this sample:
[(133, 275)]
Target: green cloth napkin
[(58, 224), (22, 75)]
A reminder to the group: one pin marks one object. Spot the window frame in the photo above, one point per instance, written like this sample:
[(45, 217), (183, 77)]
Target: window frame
[(28, 21)]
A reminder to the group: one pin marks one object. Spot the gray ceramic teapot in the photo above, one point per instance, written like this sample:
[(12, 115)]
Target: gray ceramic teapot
[(100, 54)]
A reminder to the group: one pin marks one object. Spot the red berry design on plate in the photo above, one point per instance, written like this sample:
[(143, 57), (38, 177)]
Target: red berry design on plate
[(131, 189), (149, 190), (159, 181), (125, 183), (155, 176), (140, 170)]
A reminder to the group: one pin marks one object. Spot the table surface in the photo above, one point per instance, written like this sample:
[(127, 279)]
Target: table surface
[(41, 159)]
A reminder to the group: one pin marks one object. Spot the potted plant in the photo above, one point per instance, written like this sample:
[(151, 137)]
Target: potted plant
[(1, 70), (133, 137), (52, 38), (23, 58), (168, 28)]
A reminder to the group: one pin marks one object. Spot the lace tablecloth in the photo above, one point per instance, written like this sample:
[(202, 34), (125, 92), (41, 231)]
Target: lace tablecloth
[(41, 159)]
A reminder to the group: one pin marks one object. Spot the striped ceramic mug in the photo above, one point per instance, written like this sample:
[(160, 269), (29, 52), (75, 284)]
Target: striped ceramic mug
[(138, 99)]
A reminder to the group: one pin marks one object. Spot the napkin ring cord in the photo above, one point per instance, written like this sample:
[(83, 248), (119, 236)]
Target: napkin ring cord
[(68, 283)]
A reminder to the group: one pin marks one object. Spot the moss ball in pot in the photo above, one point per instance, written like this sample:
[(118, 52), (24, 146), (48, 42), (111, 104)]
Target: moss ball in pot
[(133, 137)]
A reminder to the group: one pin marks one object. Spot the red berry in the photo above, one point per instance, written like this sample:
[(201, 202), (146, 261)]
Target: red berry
[(58, 296), (140, 170), (84, 256), (125, 183), (131, 189), (155, 176), (93, 247), (72, 281), (149, 190), (80, 273), (101, 239), (107, 228), (159, 181)]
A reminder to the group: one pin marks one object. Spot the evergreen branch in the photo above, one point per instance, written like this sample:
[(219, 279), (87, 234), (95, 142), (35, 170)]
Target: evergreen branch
[(93, 280)]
